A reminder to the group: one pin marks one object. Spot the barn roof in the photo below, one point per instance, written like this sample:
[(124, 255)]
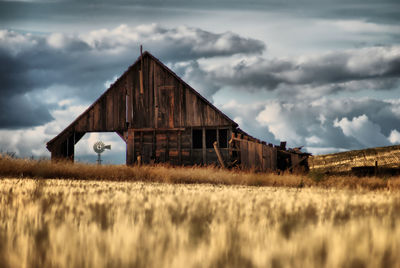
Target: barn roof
[(70, 127)]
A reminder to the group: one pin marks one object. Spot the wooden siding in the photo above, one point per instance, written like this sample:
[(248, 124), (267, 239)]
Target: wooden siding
[(107, 114), (254, 155), (172, 146), (167, 102)]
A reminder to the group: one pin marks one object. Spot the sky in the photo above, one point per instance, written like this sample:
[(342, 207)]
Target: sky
[(316, 73)]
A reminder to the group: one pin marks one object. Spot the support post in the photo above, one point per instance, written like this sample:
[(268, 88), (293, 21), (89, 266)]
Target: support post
[(179, 147), (141, 70), (220, 160), (130, 143)]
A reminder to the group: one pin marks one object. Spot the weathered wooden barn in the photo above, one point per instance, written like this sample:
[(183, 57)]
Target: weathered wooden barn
[(162, 119)]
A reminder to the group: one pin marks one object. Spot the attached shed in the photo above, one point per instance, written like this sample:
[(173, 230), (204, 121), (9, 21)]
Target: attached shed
[(164, 120)]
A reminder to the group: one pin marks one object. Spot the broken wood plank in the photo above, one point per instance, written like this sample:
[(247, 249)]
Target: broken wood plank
[(220, 159)]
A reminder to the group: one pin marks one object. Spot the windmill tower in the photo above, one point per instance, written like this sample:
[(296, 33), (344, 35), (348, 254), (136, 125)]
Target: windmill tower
[(99, 147)]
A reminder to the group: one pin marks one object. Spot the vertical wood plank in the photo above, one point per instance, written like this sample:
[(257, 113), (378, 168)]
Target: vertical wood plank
[(252, 154), (151, 93), (155, 94), (154, 145), (274, 158), (141, 145), (109, 115), (182, 93), (171, 108), (244, 154), (167, 148), (179, 147), (258, 154), (130, 147)]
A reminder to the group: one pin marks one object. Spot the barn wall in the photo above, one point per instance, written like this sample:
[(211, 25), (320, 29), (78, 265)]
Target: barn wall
[(254, 155), (108, 113), (166, 102), (174, 146), (65, 148)]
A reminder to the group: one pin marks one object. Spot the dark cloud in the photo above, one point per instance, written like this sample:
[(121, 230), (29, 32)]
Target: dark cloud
[(191, 72), (37, 67), (385, 11), (19, 111), (81, 64), (318, 75)]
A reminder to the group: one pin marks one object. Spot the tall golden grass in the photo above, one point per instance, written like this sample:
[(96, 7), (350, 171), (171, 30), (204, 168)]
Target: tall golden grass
[(25, 168), (75, 223)]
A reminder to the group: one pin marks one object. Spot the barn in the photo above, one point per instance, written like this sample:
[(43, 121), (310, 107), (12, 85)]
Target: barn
[(164, 120)]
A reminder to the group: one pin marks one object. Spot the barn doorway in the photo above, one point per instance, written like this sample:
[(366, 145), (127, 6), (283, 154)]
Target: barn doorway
[(84, 148)]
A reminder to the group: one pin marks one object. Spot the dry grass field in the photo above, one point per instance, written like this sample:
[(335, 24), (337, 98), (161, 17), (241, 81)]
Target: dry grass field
[(25, 168), (199, 218)]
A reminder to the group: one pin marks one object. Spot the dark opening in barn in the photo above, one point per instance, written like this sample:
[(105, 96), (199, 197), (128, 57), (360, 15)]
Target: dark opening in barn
[(223, 138), (197, 138), (211, 137)]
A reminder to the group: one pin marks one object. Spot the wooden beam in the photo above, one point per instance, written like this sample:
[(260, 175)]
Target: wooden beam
[(130, 145), (220, 159), (154, 145), (141, 81), (157, 129), (141, 146), (167, 148), (141, 70), (121, 134), (179, 147)]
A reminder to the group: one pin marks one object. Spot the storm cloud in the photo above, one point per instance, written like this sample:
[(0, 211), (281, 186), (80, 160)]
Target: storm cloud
[(351, 70), (384, 11), (329, 80), (79, 65)]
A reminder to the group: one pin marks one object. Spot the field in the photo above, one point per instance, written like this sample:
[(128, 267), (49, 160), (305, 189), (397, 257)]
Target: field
[(306, 222)]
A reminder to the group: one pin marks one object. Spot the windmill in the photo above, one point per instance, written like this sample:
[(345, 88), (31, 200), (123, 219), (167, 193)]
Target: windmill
[(99, 148)]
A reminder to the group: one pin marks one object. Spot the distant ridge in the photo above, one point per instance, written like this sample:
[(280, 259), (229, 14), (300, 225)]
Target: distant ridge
[(382, 157)]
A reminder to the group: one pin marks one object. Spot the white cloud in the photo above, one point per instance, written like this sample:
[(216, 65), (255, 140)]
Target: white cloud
[(56, 40), (275, 117), (363, 130), (359, 26), (15, 43), (323, 150), (182, 41), (394, 136), (108, 83), (313, 140)]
